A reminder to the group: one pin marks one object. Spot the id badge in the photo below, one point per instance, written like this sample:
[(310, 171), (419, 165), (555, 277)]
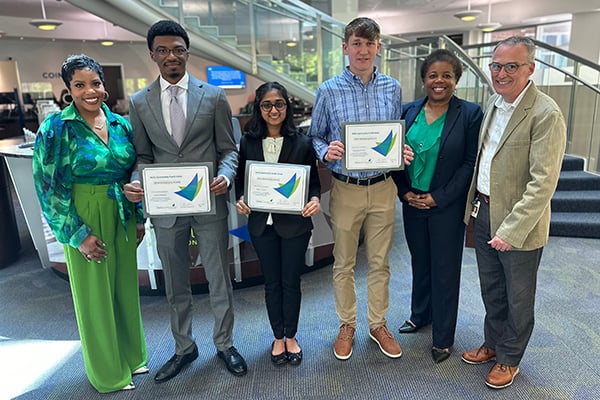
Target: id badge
[(475, 210)]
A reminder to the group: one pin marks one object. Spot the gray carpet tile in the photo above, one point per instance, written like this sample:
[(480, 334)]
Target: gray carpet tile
[(40, 356)]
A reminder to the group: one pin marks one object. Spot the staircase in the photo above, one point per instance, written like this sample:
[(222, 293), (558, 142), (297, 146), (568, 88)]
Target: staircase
[(576, 202)]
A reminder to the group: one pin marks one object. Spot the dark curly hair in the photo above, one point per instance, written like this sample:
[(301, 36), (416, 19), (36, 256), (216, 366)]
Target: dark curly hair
[(442, 55), (166, 28), (256, 127), (76, 62)]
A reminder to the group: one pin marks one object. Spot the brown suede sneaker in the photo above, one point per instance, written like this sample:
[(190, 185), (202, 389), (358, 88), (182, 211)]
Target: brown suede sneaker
[(479, 356), (387, 344), (342, 347), (501, 376)]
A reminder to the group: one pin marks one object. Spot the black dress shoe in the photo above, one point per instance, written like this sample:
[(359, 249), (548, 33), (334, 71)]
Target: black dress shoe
[(234, 361), (408, 327), (294, 358), (278, 359), (175, 365), (439, 355)]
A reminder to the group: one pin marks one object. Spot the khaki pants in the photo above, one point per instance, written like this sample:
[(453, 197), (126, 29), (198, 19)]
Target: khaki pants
[(373, 209)]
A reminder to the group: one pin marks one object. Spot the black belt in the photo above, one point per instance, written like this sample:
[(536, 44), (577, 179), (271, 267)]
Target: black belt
[(484, 197), (361, 182)]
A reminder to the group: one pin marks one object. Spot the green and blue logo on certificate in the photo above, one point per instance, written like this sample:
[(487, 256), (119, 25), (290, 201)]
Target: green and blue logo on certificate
[(191, 190), (384, 147), (287, 189)]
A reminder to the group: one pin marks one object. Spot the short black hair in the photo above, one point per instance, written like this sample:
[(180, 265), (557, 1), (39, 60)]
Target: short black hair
[(442, 55), (166, 28), (76, 62), (256, 126)]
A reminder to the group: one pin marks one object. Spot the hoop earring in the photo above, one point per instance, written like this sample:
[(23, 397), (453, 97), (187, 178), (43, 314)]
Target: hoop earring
[(106, 96), (67, 98)]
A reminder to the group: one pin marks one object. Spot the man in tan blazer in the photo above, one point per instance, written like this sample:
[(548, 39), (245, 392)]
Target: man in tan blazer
[(521, 147)]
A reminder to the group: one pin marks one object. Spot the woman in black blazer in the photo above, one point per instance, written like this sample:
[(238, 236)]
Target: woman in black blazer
[(280, 240), (442, 131)]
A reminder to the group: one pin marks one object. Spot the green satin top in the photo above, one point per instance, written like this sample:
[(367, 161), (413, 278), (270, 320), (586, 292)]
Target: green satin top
[(424, 139)]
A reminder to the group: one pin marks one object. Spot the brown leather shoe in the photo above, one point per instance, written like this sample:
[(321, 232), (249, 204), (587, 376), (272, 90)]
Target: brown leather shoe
[(387, 344), (501, 376), (479, 356), (342, 347)]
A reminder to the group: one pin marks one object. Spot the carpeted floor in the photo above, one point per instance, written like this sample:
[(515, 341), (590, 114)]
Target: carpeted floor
[(40, 356)]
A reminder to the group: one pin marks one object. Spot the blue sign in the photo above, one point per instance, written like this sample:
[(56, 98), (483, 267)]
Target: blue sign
[(226, 77)]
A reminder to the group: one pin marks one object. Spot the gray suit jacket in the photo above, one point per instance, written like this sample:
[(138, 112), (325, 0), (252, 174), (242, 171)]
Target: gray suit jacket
[(524, 171), (208, 136)]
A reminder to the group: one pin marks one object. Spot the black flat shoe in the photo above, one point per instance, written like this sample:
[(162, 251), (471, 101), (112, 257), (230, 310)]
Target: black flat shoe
[(278, 359), (175, 365), (439, 355), (234, 362), (408, 327), (294, 358)]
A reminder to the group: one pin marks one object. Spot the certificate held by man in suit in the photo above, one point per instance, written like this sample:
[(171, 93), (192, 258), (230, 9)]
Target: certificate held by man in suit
[(177, 189)]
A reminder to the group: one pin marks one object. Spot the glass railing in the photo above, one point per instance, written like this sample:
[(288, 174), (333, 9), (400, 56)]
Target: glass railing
[(573, 83), (295, 40)]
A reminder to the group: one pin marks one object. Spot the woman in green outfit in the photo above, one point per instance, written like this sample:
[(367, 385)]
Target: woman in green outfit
[(82, 157)]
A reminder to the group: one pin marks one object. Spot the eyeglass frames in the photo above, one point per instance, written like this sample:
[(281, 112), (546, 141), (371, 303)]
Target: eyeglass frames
[(164, 52), (267, 106), (510, 68)]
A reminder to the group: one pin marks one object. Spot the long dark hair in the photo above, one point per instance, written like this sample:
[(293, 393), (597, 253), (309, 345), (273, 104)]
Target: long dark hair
[(257, 127)]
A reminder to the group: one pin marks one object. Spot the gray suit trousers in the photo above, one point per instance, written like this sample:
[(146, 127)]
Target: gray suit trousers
[(508, 283), (173, 250)]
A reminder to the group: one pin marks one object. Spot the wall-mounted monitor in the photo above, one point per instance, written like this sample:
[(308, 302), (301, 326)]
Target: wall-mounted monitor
[(225, 77)]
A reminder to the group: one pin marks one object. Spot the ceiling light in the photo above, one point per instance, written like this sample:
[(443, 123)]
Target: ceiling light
[(468, 15), (489, 26), (45, 24), (105, 41)]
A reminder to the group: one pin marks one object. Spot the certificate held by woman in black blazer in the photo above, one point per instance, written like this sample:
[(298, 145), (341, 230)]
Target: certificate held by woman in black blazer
[(280, 240)]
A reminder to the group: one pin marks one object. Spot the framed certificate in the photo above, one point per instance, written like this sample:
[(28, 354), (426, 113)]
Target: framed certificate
[(276, 187), (373, 145), (177, 189)]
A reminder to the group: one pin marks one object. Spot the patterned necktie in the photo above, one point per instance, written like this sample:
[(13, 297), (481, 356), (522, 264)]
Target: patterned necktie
[(177, 115)]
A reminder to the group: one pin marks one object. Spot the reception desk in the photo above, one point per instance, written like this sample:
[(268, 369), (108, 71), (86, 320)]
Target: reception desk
[(245, 269)]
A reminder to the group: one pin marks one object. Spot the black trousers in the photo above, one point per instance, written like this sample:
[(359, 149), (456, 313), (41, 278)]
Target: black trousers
[(508, 283), (282, 263), (435, 240)]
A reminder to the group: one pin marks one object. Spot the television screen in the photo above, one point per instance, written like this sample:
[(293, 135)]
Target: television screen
[(226, 77)]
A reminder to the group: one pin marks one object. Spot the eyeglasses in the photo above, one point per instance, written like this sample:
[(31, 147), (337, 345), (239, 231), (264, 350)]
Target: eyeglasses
[(510, 68), (164, 52), (267, 106)]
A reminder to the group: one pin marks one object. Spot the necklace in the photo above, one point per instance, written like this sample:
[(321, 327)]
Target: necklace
[(99, 126)]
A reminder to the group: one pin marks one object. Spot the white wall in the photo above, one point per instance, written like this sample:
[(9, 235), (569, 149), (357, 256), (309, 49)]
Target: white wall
[(40, 60)]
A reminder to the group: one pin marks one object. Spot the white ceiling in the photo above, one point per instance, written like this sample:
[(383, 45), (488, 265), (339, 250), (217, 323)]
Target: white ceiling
[(403, 17)]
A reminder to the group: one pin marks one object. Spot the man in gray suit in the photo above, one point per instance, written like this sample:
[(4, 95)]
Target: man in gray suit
[(206, 136), (521, 148)]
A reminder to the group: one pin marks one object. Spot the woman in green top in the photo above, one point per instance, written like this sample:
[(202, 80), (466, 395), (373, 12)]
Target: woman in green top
[(442, 131), (82, 157)]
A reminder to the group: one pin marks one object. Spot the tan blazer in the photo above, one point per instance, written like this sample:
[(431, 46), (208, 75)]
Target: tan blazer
[(524, 171)]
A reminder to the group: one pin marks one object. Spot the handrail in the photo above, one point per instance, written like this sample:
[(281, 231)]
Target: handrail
[(546, 46)]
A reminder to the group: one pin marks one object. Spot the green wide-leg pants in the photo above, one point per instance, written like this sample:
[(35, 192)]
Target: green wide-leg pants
[(106, 294)]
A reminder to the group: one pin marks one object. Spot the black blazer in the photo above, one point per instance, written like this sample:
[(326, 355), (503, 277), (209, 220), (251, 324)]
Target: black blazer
[(296, 149), (458, 151)]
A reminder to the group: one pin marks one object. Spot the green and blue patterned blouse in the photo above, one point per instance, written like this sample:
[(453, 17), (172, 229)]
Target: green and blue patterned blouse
[(67, 152)]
